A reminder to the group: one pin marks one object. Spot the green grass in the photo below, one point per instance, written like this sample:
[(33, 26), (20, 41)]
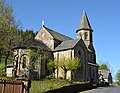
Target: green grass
[(50, 84), (47, 84)]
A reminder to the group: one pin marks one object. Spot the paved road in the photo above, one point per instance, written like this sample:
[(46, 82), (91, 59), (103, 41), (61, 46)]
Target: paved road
[(114, 89)]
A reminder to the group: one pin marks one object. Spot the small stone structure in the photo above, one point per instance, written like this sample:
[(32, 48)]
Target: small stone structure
[(9, 71)]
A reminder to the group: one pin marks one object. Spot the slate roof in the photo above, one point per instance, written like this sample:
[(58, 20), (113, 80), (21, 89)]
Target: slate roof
[(57, 35), (84, 23), (33, 43), (69, 44)]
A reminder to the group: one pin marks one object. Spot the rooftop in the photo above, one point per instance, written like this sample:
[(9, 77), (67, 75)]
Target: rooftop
[(69, 44), (57, 35)]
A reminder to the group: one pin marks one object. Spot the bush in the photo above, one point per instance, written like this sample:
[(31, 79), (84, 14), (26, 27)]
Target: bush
[(49, 77), (2, 72)]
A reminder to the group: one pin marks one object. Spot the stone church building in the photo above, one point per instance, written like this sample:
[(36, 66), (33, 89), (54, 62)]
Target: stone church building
[(58, 45)]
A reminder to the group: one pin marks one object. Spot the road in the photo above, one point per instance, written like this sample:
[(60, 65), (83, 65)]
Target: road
[(113, 89)]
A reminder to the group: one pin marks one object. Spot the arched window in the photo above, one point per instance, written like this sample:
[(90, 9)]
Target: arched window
[(24, 62), (86, 35), (79, 53)]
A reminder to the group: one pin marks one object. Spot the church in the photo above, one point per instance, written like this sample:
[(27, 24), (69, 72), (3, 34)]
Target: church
[(57, 46)]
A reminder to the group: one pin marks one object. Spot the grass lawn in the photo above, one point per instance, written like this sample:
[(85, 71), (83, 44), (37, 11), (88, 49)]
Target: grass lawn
[(50, 84), (47, 84)]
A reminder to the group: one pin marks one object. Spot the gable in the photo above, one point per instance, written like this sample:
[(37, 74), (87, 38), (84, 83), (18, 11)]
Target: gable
[(43, 35), (105, 73), (81, 49), (50, 38)]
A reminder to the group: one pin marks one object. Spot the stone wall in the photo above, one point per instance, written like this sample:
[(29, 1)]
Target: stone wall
[(45, 37)]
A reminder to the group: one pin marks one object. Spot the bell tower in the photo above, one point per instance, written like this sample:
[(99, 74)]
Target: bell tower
[(84, 30)]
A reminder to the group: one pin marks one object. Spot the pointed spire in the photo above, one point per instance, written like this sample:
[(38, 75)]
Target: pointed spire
[(84, 23)]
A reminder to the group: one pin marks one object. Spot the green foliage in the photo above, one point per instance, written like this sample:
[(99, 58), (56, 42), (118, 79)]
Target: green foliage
[(69, 64), (51, 84), (2, 73), (52, 65), (48, 84), (10, 35), (49, 77), (35, 56), (65, 64), (8, 29), (75, 64), (8, 26), (33, 59), (103, 67), (2, 66), (25, 35), (118, 77)]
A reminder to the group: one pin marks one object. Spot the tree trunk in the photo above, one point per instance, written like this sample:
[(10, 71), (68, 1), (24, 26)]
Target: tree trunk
[(7, 56), (0, 55), (0, 59), (65, 72)]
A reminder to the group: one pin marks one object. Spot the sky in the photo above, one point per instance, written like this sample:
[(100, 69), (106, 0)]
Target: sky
[(64, 17)]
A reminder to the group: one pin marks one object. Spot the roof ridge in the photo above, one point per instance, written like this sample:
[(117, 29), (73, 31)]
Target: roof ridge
[(57, 33), (72, 40)]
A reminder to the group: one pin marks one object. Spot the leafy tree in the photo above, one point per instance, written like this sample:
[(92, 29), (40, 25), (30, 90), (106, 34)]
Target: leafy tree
[(103, 67), (2, 70), (25, 35), (8, 29), (37, 56), (118, 77), (52, 65), (69, 65), (10, 35), (65, 64)]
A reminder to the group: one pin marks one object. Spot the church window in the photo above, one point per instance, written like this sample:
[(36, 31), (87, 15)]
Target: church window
[(86, 35), (90, 72), (42, 34), (24, 62), (81, 69), (79, 52), (93, 73), (46, 64)]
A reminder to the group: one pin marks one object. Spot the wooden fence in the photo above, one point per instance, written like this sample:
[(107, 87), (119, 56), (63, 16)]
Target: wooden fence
[(14, 86)]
